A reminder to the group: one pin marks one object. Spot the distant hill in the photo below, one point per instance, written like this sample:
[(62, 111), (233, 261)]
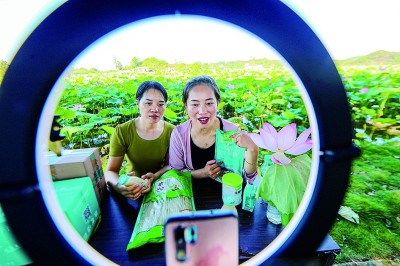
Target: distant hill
[(375, 58)]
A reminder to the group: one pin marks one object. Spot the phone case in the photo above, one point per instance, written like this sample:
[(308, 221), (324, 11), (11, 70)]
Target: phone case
[(202, 238)]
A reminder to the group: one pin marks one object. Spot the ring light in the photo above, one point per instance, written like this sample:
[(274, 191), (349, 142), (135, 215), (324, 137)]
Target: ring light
[(77, 24)]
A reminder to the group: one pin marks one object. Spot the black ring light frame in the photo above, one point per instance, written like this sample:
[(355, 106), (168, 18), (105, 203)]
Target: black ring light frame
[(77, 24)]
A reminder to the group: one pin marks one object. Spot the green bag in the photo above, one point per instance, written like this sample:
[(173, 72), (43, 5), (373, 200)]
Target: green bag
[(283, 186), (249, 197), (228, 152), (170, 194)]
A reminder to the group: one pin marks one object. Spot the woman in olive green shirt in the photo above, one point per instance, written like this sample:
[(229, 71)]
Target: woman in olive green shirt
[(143, 142)]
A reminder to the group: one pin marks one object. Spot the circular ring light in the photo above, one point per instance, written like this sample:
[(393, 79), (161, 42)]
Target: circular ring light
[(77, 24)]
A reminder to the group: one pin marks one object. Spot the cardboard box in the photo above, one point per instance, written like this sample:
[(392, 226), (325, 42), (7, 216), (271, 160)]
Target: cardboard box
[(79, 163), (79, 203)]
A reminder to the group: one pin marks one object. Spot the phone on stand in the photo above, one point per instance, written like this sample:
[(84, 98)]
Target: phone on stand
[(202, 238)]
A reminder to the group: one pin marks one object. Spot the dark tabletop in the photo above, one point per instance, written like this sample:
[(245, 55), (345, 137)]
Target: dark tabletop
[(119, 215)]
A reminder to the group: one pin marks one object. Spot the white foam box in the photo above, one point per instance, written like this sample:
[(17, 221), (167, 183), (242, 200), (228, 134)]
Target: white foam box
[(79, 163), (79, 203)]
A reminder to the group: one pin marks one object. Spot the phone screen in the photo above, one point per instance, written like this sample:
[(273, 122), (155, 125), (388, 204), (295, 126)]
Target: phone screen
[(202, 238)]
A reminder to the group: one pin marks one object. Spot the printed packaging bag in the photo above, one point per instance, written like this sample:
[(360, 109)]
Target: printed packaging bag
[(170, 194), (228, 152), (249, 197)]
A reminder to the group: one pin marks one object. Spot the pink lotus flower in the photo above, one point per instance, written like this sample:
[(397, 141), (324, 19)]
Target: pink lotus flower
[(77, 107), (363, 90), (282, 142)]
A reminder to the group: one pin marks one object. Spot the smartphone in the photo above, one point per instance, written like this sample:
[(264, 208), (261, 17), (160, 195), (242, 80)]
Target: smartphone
[(209, 237)]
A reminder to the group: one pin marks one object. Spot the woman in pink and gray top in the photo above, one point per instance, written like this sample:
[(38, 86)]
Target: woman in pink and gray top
[(192, 144)]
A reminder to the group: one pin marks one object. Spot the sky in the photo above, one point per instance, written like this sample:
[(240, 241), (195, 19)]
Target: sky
[(348, 28)]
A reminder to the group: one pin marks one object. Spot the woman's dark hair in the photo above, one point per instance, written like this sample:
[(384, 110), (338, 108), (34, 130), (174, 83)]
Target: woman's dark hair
[(206, 80), (150, 84)]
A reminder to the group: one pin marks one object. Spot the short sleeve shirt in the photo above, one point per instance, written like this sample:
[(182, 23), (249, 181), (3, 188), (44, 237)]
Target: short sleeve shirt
[(142, 156)]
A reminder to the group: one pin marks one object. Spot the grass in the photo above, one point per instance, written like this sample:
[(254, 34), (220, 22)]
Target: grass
[(374, 194)]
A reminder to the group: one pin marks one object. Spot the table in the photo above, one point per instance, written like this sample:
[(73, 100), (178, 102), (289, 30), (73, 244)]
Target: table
[(119, 215)]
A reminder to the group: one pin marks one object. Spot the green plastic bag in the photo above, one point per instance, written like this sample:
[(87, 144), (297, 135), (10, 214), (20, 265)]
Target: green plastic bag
[(170, 194), (228, 152), (249, 197), (283, 186)]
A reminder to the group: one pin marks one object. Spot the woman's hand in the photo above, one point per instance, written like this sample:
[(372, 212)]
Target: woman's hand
[(251, 155), (243, 140), (150, 177), (132, 192), (213, 169)]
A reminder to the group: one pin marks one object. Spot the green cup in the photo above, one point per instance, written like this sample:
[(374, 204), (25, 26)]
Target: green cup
[(232, 189)]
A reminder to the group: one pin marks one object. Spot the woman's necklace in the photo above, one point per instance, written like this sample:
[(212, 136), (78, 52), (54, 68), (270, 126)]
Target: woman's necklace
[(203, 139), (207, 140)]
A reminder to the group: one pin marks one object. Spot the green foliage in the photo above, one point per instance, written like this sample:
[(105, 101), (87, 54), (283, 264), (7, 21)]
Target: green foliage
[(135, 62), (153, 63), (118, 64), (374, 193), (373, 59), (252, 91), (95, 101), (374, 95)]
